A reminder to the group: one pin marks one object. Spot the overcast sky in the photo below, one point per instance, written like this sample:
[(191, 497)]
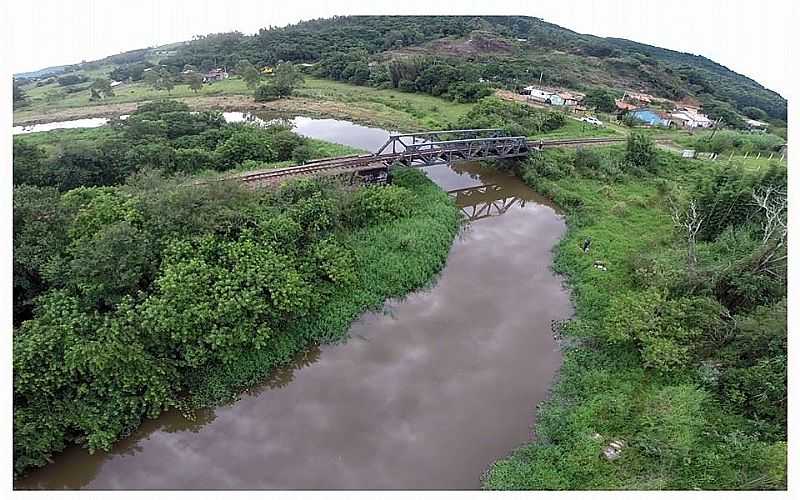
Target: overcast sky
[(748, 37)]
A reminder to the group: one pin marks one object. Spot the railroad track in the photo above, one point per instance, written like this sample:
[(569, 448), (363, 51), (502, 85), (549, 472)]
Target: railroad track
[(355, 163)]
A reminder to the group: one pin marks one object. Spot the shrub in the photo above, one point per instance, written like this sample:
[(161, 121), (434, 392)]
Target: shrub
[(378, 203), (266, 92), (302, 154), (194, 160), (247, 143), (587, 160), (284, 143), (640, 151)]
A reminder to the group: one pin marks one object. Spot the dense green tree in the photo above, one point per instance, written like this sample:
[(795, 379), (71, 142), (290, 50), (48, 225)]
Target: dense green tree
[(246, 144), (515, 118), (72, 79), (194, 80), (286, 79), (29, 162), (160, 79), (601, 100), (266, 92), (102, 87), (39, 237), (754, 113), (249, 73)]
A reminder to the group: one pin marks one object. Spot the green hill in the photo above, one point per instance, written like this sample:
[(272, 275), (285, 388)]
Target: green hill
[(503, 51)]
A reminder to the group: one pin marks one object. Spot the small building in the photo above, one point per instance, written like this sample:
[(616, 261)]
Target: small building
[(690, 117), (555, 100), (215, 75), (537, 94), (554, 97), (651, 117), (571, 99), (115, 83), (756, 126), (267, 70)]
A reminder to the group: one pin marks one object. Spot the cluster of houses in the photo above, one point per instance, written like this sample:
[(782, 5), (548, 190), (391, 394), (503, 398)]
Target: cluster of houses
[(684, 114), (644, 108)]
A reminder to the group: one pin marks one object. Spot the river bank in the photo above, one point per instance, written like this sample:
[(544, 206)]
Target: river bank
[(620, 417)]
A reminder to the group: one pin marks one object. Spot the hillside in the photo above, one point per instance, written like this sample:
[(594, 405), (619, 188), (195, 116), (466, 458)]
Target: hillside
[(503, 51), (510, 50)]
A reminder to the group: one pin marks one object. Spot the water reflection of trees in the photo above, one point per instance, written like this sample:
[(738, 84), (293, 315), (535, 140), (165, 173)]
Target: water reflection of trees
[(281, 377), (75, 468)]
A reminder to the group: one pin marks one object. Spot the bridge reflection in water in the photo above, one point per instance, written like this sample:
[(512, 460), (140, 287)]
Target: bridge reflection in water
[(483, 192), (485, 201)]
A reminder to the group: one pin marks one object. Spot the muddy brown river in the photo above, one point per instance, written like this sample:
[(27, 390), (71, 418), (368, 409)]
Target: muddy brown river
[(424, 394)]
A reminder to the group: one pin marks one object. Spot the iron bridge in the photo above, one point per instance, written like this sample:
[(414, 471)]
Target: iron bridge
[(444, 146)]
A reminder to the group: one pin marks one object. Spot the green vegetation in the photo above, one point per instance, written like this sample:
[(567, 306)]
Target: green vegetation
[(455, 57), (162, 135), (441, 77), (488, 47), (391, 109), (515, 118), (677, 352), (154, 294), (601, 100), (282, 84)]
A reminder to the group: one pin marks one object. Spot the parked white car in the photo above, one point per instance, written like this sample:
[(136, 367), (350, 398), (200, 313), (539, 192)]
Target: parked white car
[(592, 121)]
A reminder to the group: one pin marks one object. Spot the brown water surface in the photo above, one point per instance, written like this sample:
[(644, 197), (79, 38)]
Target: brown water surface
[(424, 395)]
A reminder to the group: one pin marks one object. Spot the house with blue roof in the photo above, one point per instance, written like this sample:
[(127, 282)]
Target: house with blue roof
[(651, 117)]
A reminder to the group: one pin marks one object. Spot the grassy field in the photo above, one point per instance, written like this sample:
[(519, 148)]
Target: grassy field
[(386, 108), (413, 108), (52, 96), (577, 129)]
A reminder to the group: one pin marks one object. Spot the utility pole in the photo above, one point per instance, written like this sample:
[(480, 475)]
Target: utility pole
[(541, 75)]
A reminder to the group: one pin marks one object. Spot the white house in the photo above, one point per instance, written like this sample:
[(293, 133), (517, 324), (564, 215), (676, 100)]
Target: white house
[(690, 117), (756, 125), (537, 94)]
